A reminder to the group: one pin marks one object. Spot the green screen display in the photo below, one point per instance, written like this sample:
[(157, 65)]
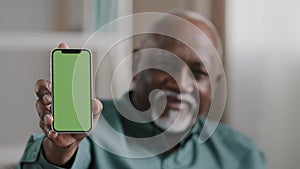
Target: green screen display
[(71, 90)]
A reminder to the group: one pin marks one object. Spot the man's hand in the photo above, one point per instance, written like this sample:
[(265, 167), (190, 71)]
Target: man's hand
[(58, 148)]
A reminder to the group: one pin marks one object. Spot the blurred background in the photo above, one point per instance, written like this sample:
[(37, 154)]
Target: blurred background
[(262, 63)]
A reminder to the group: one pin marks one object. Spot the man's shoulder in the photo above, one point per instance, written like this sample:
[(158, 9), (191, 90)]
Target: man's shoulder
[(227, 135), (232, 145), (231, 136)]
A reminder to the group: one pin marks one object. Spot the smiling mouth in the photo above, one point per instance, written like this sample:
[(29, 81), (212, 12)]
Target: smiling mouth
[(176, 104), (168, 100)]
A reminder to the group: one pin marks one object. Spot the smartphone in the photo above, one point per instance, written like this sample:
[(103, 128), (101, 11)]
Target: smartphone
[(71, 90)]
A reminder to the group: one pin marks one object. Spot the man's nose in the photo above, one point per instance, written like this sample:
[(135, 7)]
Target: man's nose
[(183, 81)]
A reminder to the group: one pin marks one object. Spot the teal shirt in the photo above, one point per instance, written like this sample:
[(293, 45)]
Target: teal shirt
[(226, 148)]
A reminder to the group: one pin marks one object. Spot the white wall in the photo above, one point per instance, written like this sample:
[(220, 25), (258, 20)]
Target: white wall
[(19, 70), (263, 69), (18, 73)]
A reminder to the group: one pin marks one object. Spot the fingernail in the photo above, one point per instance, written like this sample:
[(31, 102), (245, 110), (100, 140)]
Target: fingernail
[(52, 134), (47, 118), (47, 99), (49, 86)]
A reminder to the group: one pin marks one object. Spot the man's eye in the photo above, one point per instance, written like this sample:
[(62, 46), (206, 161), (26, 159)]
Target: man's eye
[(199, 73)]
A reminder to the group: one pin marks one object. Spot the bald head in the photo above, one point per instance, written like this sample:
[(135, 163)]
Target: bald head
[(188, 27)]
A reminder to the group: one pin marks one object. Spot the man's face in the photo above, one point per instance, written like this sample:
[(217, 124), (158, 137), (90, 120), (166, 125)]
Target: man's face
[(183, 78)]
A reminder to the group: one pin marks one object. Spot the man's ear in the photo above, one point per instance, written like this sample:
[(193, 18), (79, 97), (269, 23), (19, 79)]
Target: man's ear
[(135, 60)]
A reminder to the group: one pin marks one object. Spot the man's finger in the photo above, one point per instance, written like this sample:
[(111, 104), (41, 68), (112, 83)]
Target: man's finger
[(47, 129), (63, 45), (47, 99), (41, 107), (96, 108), (42, 87), (52, 134), (47, 119), (44, 113)]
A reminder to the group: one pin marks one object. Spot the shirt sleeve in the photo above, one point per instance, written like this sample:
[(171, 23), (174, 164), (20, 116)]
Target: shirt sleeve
[(33, 157)]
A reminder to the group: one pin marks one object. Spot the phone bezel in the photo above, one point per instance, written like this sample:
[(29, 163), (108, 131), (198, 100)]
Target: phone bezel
[(70, 51)]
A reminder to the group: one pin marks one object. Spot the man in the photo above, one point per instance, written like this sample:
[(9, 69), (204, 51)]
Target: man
[(158, 119)]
